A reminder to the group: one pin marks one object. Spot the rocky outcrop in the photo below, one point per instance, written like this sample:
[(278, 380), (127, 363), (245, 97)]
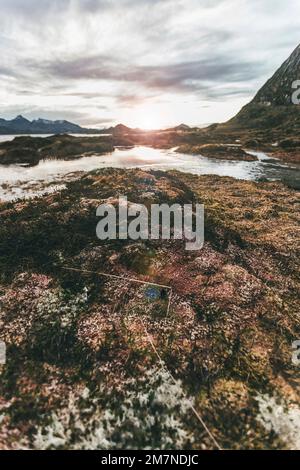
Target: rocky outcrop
[(218, 151), (30, 150)]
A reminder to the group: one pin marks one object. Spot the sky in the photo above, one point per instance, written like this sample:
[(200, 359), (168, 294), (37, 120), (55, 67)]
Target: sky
[(145, 63)]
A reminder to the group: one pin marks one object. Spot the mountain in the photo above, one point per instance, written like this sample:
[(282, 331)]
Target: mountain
[(272, 107), (21, 125), (278, 90), (120, 129), (182, 127)]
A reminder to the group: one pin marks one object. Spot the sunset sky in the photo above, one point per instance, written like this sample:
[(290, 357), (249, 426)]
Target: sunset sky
[(145, 63)]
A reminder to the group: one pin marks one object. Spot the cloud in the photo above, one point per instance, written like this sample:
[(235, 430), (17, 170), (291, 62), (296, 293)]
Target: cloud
[(106, 58), (6, 72), (183, 76)]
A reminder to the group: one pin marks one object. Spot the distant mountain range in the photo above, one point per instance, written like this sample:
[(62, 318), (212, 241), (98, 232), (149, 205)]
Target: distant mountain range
[(21, 125)]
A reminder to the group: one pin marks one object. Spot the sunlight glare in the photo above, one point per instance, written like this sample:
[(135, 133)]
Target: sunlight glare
[(149, 118)]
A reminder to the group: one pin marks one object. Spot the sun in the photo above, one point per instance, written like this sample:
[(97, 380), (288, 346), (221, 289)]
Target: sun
[(149, 122), (148, 118)]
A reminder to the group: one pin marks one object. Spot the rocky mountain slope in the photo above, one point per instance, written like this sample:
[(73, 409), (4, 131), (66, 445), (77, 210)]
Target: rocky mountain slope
[(277, 91), (272, 106)]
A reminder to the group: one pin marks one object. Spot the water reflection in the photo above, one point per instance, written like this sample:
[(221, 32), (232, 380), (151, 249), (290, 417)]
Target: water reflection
[(26, 179), (9, 137)]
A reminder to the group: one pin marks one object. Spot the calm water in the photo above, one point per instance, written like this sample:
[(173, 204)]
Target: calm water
[(17, 181), (7, 138)]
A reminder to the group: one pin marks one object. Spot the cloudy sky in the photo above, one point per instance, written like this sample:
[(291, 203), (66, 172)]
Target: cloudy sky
[(147, 63)]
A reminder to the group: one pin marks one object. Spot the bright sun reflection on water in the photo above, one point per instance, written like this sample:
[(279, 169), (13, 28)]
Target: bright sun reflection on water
[(21, 178)]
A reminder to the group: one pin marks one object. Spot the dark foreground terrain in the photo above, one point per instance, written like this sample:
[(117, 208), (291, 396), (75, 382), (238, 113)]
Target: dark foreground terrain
[(82, 369)]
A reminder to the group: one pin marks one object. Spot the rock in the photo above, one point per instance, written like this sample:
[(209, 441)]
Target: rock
[(31, 150), (218, 151)]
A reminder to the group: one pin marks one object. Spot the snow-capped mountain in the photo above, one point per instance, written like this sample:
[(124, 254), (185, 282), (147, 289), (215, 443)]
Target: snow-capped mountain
[(21, 125)]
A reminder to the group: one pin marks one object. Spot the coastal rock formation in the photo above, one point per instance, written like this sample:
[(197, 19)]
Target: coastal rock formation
[(219, 151), (30, 150)]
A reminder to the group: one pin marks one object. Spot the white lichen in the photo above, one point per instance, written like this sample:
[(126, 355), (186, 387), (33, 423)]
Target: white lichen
[(152, 414), (54, 306), (281, 418)]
